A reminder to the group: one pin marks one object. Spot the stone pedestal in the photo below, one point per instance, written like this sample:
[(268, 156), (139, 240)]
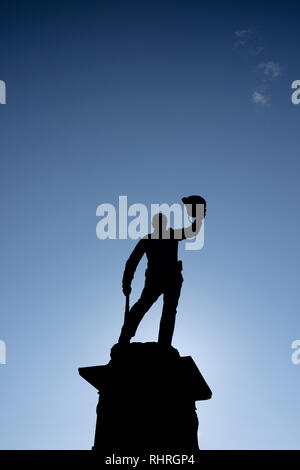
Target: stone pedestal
[(147, 401)]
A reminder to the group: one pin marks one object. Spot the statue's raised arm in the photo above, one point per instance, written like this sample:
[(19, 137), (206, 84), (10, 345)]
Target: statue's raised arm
[(196, 209)]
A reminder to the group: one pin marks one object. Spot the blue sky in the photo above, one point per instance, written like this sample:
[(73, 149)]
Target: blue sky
[(153, 100)]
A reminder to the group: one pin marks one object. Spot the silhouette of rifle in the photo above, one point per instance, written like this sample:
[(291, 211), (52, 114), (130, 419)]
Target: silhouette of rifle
[(126, 307)]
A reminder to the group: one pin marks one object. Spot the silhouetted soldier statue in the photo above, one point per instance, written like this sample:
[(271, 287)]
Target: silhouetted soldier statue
[(148, 392), (163, 273)]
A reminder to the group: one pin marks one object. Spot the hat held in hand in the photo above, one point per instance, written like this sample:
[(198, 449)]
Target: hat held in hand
[(191, 203)]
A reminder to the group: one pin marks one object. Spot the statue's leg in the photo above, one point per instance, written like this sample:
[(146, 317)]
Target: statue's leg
[(149, 295), (171, 298)]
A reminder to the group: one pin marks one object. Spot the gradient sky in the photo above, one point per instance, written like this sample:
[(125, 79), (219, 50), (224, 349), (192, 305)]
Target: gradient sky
[(154, 100)]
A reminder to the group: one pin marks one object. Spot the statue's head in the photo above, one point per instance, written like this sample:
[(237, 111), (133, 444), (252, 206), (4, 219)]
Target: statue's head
[(159, 222)]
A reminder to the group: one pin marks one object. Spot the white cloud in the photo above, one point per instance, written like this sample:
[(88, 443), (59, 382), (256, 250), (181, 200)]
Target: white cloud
[(240, 33), (271, 69), (248, 44), (242, 37), (260, 99), (248, 41), (258, 50)]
